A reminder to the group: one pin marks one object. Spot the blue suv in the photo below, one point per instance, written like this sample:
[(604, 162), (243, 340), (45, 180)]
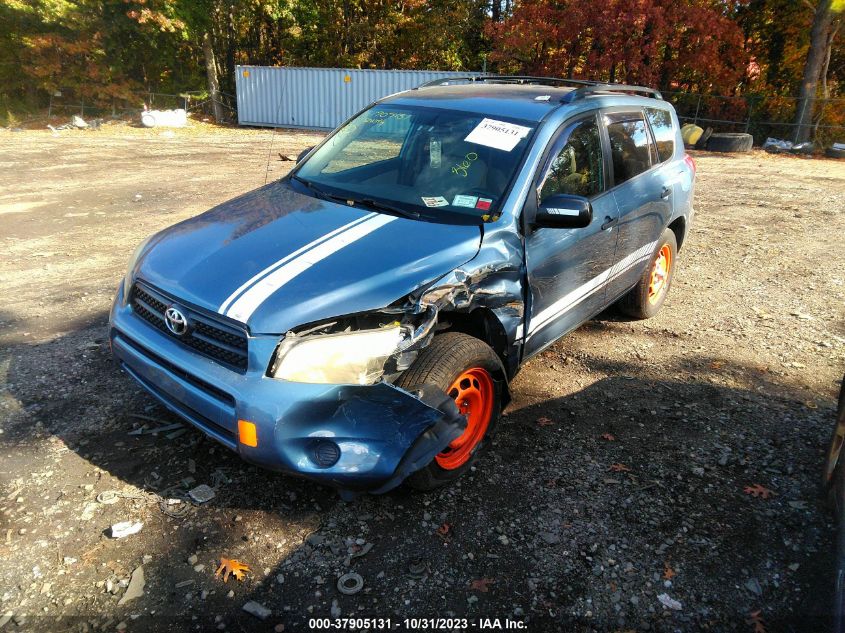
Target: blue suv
[(358, 321)]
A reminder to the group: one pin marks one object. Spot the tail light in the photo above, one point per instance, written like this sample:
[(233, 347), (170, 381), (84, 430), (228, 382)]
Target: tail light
[(689, 161)]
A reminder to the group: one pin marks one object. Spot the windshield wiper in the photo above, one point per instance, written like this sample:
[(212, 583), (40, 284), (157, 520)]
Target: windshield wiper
[(383, 206), (319, 193), (367, 202)]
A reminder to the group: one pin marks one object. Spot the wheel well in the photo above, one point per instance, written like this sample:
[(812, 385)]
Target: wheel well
[(482, 324), (679, 228)]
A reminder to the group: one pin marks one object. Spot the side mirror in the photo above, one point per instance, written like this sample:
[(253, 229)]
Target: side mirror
[(303, 154), (563, 211)]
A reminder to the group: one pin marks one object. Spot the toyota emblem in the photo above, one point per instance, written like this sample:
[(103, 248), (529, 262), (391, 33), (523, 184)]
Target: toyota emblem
[(175, 321)]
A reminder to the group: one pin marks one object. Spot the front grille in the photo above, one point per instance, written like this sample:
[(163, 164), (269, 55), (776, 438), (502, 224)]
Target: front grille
[(206, 335)]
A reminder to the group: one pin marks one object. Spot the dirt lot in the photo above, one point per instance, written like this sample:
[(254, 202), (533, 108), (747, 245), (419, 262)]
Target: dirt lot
[(732, 385)]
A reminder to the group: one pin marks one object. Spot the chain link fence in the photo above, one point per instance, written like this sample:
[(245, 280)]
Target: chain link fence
[(193, 102), (762, 116)]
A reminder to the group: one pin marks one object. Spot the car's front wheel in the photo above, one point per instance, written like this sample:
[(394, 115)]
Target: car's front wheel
[(464, 367)]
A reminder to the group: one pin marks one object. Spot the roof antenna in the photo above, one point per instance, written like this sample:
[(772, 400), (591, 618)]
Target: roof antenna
[(273, 135)]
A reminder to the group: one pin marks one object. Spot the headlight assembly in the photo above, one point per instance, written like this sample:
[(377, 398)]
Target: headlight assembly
[(343, 358), (127, 279)]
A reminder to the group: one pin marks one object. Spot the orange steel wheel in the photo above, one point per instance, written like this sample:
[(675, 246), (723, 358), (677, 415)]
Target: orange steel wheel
[(660, 274), (473, 393)]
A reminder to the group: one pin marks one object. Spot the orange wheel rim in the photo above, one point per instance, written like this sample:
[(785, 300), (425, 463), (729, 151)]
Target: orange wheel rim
[(660, 274), (473, 393)]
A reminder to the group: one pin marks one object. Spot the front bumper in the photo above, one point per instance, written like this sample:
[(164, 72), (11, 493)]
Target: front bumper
[(383, 433)]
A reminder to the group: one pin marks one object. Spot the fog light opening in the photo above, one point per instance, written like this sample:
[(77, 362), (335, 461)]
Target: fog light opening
[(324, 453), (247, 433)]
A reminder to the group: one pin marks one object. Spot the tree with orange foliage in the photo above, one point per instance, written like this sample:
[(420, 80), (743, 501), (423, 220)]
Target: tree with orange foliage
[(681, 44)]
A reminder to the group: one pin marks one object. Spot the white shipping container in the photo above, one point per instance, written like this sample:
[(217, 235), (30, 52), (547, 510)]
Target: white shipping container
[(318, 98)]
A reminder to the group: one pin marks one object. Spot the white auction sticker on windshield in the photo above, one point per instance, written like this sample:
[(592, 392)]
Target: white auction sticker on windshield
[(497, 134), (465, 201), (435, 201)]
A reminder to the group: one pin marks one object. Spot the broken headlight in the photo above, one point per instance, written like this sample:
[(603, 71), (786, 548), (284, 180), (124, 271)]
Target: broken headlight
[(356, 350), (345, 358)]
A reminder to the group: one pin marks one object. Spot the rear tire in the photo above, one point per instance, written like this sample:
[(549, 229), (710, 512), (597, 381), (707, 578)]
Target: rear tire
[(646, 298), (833, 480), (450, 357), (730, 142)]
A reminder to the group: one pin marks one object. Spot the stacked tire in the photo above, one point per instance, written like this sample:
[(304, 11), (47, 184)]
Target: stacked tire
[(733, 142)]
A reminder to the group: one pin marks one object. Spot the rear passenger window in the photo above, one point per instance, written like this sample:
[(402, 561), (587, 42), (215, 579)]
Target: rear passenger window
[(629, 144), (576, 169), (664, 133)]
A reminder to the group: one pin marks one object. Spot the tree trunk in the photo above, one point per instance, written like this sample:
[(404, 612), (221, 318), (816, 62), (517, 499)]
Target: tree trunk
[(231, 43), (826, 64), (819, 37), (211, 72)]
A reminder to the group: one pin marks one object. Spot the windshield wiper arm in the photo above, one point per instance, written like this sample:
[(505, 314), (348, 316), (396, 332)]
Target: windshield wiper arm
[(319, 193), (367, 202), (382, 206)]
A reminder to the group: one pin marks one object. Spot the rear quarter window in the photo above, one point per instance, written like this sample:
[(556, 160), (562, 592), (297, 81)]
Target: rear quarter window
[(629, 146), (664, 132)]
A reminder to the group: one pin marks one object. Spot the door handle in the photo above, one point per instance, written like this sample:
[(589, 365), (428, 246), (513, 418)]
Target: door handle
[(666, 192), (609, 222)]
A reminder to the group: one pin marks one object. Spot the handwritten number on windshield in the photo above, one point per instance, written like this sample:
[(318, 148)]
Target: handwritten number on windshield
[(462, 168)]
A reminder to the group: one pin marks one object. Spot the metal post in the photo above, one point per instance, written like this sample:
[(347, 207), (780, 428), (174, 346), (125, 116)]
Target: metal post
[(50, 107), (82, 109), (750, 109), (697, 109)]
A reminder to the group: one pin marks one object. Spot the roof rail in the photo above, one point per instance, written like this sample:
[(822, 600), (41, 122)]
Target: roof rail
[(509, 79), (599, 88), (583, 87)]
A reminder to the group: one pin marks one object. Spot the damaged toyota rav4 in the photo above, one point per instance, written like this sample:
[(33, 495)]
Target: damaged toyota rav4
[(358, 321)]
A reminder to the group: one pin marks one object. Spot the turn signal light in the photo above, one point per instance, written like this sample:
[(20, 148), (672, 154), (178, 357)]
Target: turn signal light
[(247, 434)]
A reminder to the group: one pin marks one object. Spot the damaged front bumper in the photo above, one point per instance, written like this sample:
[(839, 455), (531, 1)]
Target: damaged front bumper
[(353, 437)]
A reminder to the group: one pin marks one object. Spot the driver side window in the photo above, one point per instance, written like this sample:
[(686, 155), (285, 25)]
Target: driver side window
[(577, 168)]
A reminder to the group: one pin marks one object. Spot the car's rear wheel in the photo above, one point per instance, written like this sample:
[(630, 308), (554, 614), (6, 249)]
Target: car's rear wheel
[(465, 368), (647, 297), (834, 470)]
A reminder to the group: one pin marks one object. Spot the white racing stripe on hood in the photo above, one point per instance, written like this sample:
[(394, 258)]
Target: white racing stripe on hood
[(284, 260), (244, 307)]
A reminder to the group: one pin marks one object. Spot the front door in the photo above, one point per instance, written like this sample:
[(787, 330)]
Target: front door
[(568, 268)]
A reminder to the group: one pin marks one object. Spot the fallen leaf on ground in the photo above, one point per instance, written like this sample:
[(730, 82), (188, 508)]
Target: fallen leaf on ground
[(231, 567), (755, 618), (480, 585), (444, 529), (608, 436), (811, 405), (544, 421), (668, 572), (619, 468), (717, 364), (758, 490)]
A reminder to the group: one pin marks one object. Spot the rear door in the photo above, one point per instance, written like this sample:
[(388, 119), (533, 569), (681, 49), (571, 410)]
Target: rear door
[(642, 188), (567, 268)]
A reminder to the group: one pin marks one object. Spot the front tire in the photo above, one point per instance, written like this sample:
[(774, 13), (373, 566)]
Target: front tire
[(646, 298), (464, 367)]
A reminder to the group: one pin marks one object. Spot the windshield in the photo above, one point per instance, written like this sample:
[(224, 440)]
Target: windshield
[(442, 164)]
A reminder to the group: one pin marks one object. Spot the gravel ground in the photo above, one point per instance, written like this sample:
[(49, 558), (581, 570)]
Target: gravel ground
[(613, 499)]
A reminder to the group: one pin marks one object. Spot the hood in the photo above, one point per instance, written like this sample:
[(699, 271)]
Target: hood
[(275, 259)]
